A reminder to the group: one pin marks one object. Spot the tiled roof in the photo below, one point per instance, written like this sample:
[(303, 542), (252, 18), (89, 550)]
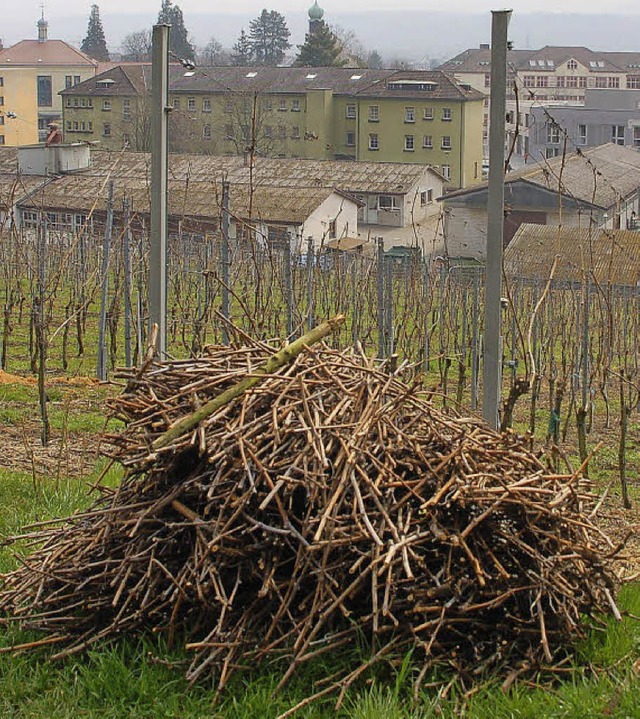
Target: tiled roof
[(346, 176), (599, 176), (546, 59), (120, 80), (49, 52), (342, 81), (193, 200), (609, 256)]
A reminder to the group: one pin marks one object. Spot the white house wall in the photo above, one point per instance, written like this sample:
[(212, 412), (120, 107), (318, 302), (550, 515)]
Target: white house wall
[(336, 207)]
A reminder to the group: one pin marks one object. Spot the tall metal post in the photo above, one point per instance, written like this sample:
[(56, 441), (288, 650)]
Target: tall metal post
[(126, 252), (382, 345), (495, 213), (310, 263), (224, 258), (104, 280), (159, 150)]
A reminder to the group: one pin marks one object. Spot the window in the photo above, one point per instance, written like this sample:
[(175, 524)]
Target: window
[(282, 131), (446, 171), (44, 91), (295, 133), (529, 80), (126, 139), (542, 81), (446, 114), (601, 82), (283, 105), (487, 79), (373, 141), (268, 104), (636, 136), (68, 81), (332, 229), (351, 139), (206, 132), (617, 134), (106, 105), (228, 132), (90, 102), (409, 143), (206, 104), (176, 103), (90, 126), (350, 112), (571, 82), (76, 102), (582, 134), (82, 126), (613, 83), (446, 142), (388, 202), (426, 198), (295, 106), (551, 152), (1, 81), (409, 114), (76, 79), (126, 108), (427, 141), (572, 65), (67, 102), (374, 113), (268, 131), (633, 82), (191, 104), (29, 219), (553, 133), (76, 126), (427, 113), (83, 102), (106, 129), (1, 119)]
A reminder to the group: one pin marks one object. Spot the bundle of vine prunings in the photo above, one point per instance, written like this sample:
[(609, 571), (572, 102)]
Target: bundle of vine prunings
[(325, 503)]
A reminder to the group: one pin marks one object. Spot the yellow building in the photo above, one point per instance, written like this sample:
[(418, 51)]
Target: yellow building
[(324, 113), (32, 73)]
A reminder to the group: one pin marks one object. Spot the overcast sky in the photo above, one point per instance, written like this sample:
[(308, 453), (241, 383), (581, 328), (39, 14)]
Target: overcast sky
[(81, 7)]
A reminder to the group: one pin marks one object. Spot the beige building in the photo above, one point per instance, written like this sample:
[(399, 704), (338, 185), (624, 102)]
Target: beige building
[(32, 73), (552, 74)]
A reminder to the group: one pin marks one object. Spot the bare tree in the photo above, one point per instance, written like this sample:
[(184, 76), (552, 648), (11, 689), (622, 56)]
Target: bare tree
[(136, 46)]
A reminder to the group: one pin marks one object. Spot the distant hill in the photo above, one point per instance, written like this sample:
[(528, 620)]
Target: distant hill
[(409, 34)]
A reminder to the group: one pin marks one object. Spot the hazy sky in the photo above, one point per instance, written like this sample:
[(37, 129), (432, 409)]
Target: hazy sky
[(81, 7)]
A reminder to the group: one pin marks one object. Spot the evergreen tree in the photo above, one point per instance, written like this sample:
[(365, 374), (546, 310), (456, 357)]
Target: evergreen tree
[(94, 45), (321, 48), (178, 37), (269, 37), (242, 54)]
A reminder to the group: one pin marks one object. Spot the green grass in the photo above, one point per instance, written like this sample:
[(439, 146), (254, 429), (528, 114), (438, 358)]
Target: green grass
[(140, 678)]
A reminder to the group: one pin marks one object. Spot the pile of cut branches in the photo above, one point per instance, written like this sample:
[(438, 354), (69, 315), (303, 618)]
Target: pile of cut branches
[(327, 502)]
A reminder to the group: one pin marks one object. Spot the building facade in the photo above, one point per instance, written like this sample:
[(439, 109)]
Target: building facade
[(32, 74), (551, 74), (606, 116), (422, 117)]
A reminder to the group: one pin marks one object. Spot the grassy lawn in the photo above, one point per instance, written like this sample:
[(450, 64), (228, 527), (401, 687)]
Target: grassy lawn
[(143, 679)]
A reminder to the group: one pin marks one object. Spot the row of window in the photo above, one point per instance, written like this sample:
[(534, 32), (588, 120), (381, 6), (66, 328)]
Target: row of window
[(409, 142), (231, 106), (373, 114), (79, 126), (55, 220), (86, 102), (617, 135), (601, 82)]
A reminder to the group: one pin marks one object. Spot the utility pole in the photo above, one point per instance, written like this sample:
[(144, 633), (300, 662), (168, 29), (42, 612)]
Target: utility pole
[(224, 258), (159, 150), (495, 222)]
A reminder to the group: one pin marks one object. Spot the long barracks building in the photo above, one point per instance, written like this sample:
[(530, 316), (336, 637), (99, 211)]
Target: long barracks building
[(316, 113)]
